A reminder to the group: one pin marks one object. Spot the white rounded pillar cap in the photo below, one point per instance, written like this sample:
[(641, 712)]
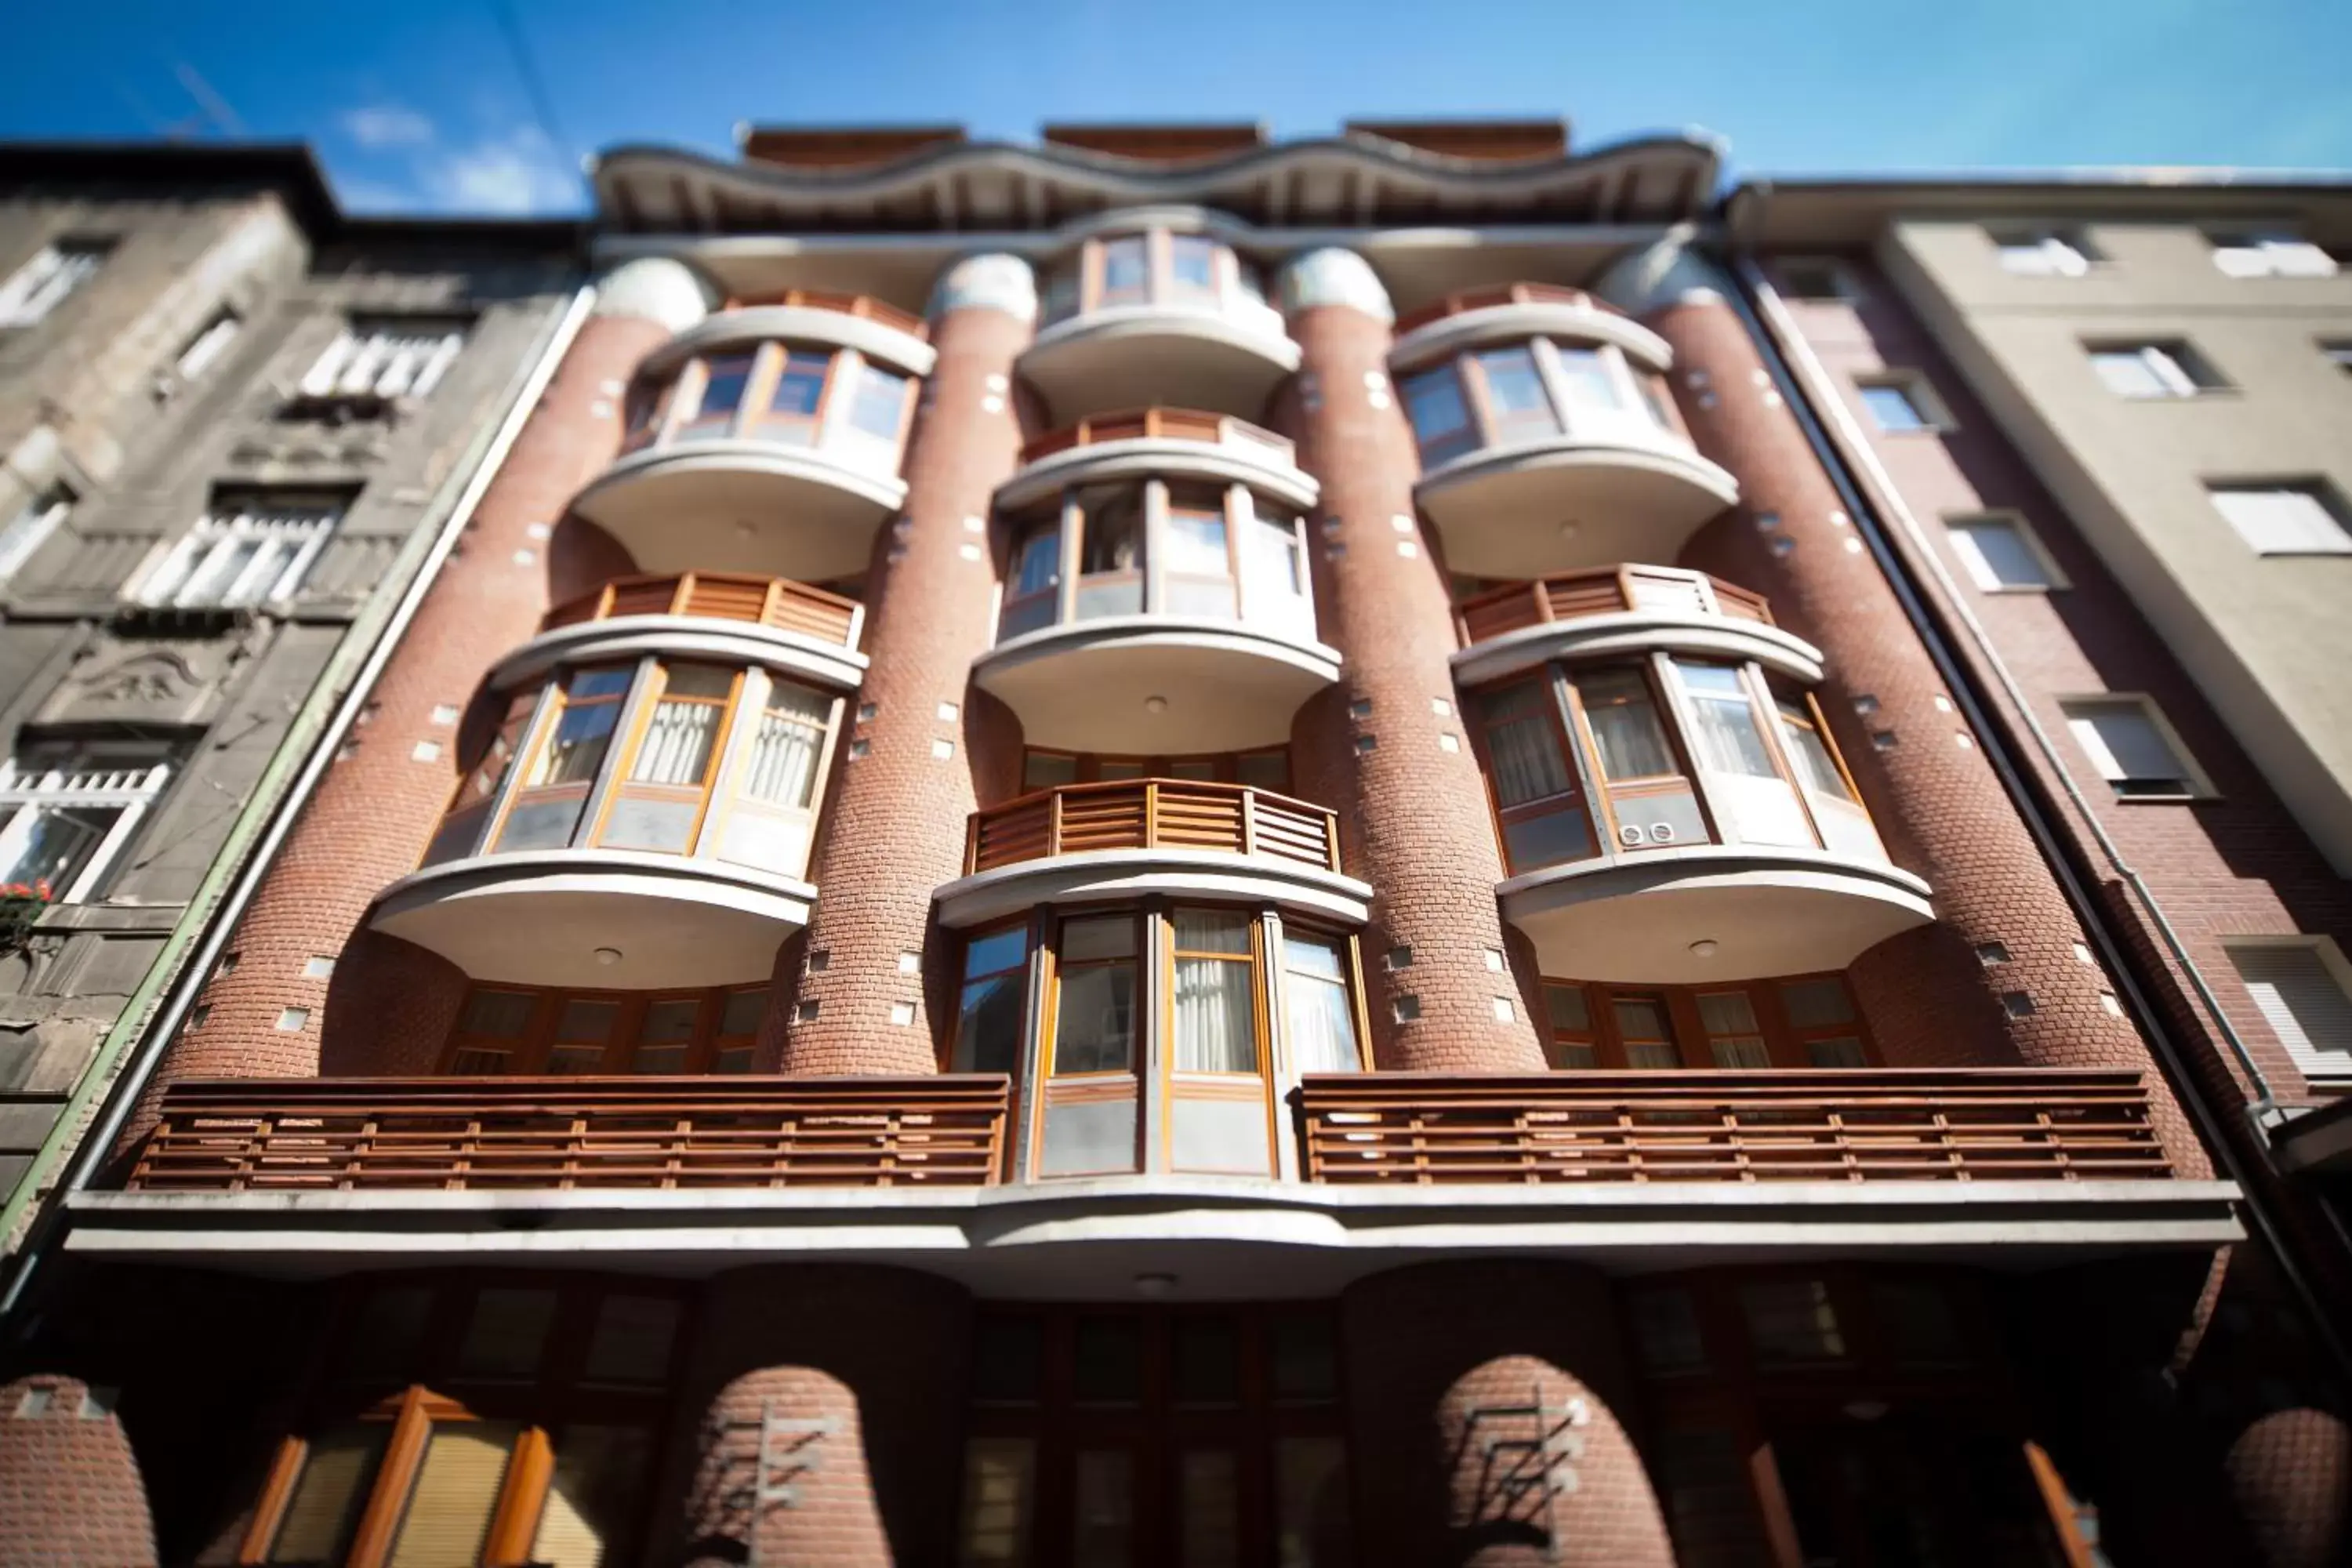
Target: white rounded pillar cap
[(656, 289), (1332, 276), (996, 281)]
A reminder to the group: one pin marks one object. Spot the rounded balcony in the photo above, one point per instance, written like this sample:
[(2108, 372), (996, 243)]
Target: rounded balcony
[(1157, 598), (1670, 806), (1548, 440), (1081, 843), (766, 437), (1157, 312), (641, 813)]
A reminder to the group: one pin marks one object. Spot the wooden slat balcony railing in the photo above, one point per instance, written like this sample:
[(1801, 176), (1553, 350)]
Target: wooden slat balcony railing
[(1883, 1124), (466, 1134), (720, 596), (1163, 424), (1153, 814), (864, 305), (1604, 591), (1503, 294)]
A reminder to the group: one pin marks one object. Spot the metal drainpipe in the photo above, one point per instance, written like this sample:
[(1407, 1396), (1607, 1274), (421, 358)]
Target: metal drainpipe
[(1810, 397), (529, 386)]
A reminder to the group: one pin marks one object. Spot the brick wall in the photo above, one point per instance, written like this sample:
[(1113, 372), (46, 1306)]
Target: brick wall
[(70, 1487)]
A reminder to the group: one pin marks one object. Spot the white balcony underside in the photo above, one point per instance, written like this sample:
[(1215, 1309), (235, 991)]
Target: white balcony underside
[(1138, 356), (742, 506), (539, 917), (1222, 686), (1768, 912), (1124, 875), (1224, 1239), (1537, 507)]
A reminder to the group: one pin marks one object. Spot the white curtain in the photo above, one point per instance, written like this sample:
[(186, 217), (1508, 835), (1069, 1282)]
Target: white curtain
[(1214, 1032), (676, 749), (1528, 764), (1322, 1026), (785, 752)]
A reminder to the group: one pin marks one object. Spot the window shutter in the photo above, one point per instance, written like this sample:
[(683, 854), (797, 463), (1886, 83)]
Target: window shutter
[(448, 1513), (2299, 999), (319, 1515)]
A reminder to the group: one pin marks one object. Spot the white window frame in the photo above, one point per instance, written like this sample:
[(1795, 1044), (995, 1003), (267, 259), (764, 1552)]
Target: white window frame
[(292, 533), (387, 357), (2269, 253), (48, 277), (26, 795), (2331, 1068), (25, 532), (1979, 570), (2041, 252), (2321, 496), (2078, 708), (2176, 368), (207, 346), (1935, 419)]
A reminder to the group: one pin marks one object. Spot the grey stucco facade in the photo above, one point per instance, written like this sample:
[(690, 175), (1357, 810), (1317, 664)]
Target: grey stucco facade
[(94, 411)]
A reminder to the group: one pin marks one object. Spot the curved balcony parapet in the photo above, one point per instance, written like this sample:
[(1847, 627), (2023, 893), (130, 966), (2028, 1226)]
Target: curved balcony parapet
[(544, 918), (1518, 312), (1622, 610), (770, 621), (1096, 842), (882, 333), (1169, 310), (1686, 914), (1193, 442)]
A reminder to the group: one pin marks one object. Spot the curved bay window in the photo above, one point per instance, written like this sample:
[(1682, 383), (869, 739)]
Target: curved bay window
[(1505, 394), (1619, 758), (837, 400), (1808, 1021), (510, 1031), (1194, 549), (1164, 1037), (667, 756), (1197, 1436), (1268, 769), (493, 1422), (1159, 269)]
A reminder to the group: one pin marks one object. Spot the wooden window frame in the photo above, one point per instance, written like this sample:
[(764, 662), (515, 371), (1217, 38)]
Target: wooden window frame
[(555, 702), (1603, 790), (666, 419), (1253, 599), (1785, 1042), (558, 1395), (1640, 395), (1028, 969), (648, 691), (533, 1049), (1089, 764), (1160, 288)]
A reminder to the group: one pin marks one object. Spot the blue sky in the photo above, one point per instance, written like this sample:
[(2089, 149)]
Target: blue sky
[(421, 106)]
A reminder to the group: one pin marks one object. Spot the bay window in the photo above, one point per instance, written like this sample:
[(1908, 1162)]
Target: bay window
[(1803, 1021), (1167, 1036), (1531, 391), (663, 756), (794, 395), (1172, 270), (1267, 770), (508, 1031), (1194, 549)]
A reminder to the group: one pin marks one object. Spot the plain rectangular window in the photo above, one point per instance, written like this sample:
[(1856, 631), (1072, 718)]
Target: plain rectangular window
[(2302, 996), (207, 346), (34, 522), (68, 806), (2269, 254), (43, 282), (2152, 370), (1813, 278), (2127, 743), (1899, 405), (2001, 553), (386, 357), (251, 547), (2293, 518), (2339, 354), (2043, 253)]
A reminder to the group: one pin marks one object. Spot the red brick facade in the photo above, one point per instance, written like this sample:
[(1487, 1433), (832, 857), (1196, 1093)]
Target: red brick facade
[(70, 1493)]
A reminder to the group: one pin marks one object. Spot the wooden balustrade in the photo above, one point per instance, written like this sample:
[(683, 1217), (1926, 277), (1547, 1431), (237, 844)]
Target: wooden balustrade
[(1604, 591), (720, 596), (864, 305), (1153, 814), (1502, 294), (454, 1134), (1161, 424), (1882, 1124)]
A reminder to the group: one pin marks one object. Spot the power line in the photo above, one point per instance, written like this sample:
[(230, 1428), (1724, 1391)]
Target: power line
[(534, 86)]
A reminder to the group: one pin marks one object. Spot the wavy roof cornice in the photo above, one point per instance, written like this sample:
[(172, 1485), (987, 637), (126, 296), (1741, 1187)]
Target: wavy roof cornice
[(1358, 179)]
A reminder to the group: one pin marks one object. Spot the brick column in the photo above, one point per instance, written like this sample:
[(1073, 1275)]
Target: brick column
[(1385, 748), (848, 999), (1465, 1378), (70, 1493), (869, 1368), (1943, 994), (375, 807)]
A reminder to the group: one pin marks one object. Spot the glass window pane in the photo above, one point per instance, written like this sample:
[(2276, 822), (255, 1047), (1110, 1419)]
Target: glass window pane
[(722, 394), (1732, 1037), (1208, 1508), (1104, 936), (787, 746), (1522, 745), (1048, 770), (1891, 409), (506, 1334), (800, 389), (1816, 1004), (1104, 1509), (1917, 1322), (1515, 393), (1305, 1361), (678, 741), (1648, 1038), (1206, 1360), (632, 1340), (1196, 536), (1585, 380), (1836, 1051), (1441, 418), (1666, 1332), (667, 1035), (1550, 838), (1791, 1321), (996, 951), (1807, 752), (1726, 734), (998, 1483), (1008, 1361), (1568, 1009), (457, 1488), (1264, 770), (1192, 264), (1311, 1484), (881, 404), (1094, 1020), (1996, 553), (1107, 1360), (1322, 1024), (744, 1011), (1625, 726), (1125, 270)]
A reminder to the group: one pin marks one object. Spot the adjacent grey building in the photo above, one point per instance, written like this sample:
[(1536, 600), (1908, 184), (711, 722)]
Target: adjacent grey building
[(233, 423)]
